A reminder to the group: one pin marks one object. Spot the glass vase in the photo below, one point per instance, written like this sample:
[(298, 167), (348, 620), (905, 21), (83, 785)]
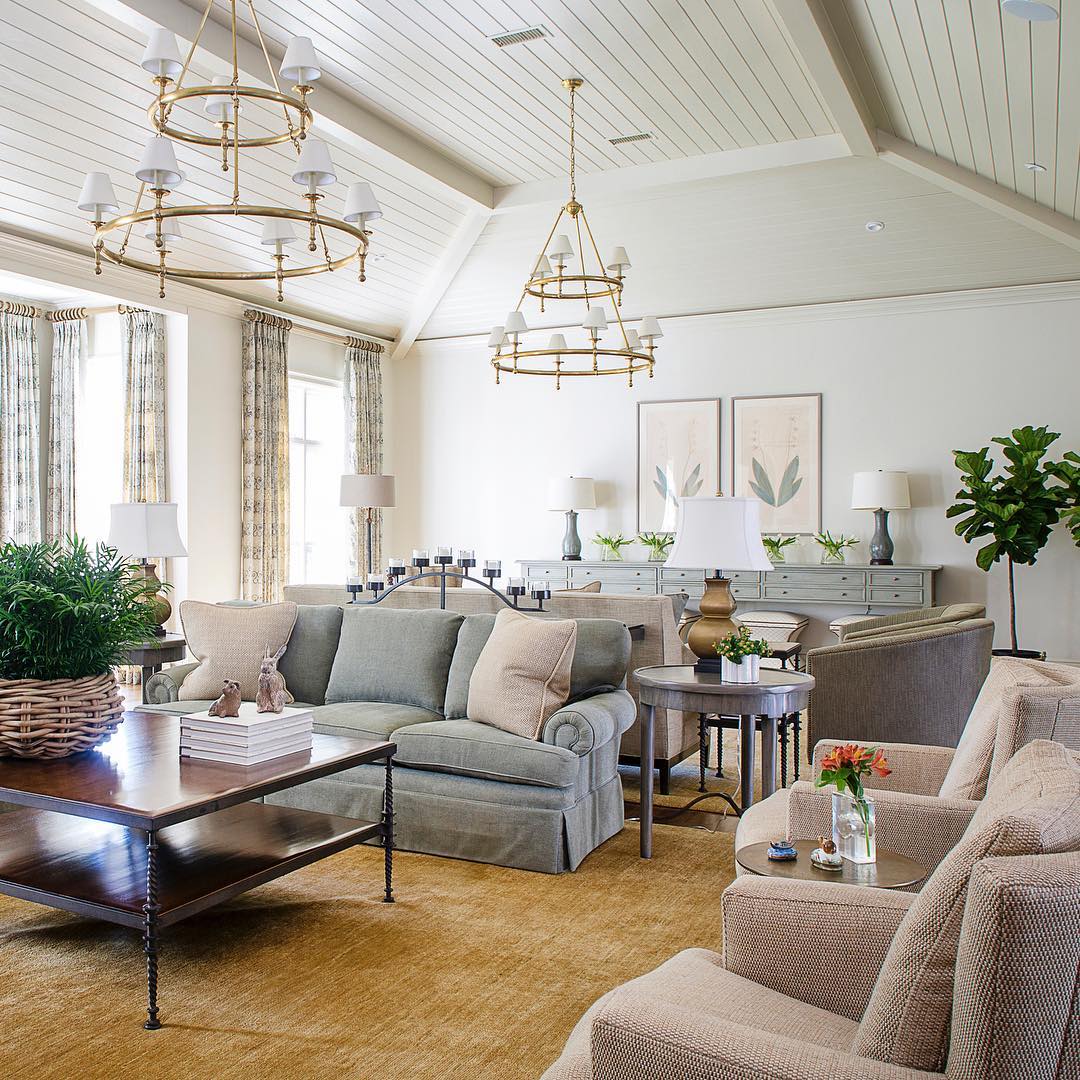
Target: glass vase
[(853, 828), (657, 556), (833, 558), (608, 554)]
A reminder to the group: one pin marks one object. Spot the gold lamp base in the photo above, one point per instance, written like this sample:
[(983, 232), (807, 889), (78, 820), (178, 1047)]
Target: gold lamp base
[(162, 607), (716, 622)]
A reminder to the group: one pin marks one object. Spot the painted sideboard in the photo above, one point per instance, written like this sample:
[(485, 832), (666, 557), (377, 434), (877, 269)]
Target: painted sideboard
[(786, 583)]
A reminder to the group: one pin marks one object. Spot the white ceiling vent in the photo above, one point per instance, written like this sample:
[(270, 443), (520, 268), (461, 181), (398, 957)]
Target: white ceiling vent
[(638, 136), (519, 37)]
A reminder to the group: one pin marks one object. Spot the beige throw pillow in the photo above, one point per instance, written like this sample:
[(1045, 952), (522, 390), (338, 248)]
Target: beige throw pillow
[(522, 675), (229, 643), (593, 586)]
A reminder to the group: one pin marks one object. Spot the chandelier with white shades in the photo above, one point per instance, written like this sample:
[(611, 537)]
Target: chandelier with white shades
[(552, 279), (211, 116)]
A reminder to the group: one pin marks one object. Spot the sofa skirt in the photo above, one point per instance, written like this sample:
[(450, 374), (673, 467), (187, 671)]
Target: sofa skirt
[(517, 825)]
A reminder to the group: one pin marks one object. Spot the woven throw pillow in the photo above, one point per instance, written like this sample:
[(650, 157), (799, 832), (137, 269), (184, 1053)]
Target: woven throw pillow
[(229, 643), (969, 771), (1032, 809), (522, 674), (593, 586)]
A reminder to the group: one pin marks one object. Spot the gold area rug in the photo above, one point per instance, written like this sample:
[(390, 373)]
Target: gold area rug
[(476, 972)]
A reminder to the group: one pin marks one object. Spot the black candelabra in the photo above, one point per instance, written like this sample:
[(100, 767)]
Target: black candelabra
[(437, 567)]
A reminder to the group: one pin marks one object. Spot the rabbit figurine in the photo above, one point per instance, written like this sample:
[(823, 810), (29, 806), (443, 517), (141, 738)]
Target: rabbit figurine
[(229, 702), (272, 695)]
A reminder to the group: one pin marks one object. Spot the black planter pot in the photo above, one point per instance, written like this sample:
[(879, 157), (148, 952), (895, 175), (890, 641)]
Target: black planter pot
[(1020, 654)]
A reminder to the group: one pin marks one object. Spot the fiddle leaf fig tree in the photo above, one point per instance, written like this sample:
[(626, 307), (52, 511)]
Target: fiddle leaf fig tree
[(1068, 472), (1014, 509)]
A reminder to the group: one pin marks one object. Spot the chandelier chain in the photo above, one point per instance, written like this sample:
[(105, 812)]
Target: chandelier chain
[(573, 162)]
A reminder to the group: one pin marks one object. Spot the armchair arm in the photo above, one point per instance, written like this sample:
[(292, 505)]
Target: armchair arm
[(164, 686), (923, 827), (820, 942), (637, 1036), (916, 768), (591, 722)]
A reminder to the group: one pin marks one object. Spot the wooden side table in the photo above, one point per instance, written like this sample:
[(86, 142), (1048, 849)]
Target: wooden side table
[(891, 871), (778, 693), (151, 655)]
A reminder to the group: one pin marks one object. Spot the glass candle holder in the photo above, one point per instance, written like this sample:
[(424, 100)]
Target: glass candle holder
[(493, 568), (420, 558), (444, 556), (515, 586), (376, 583), (396, 566), (466, 557)]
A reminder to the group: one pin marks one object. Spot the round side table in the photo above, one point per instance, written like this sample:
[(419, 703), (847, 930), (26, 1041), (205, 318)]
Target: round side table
[(891, 871), (778, 693)]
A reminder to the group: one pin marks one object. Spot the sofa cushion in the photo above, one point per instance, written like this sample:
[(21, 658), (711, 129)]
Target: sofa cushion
[(469, 748), (312, 646), (368, 719), (601, 658), (229, 643), (969, 771), (1032, 809), (522, 674), (396, 656)]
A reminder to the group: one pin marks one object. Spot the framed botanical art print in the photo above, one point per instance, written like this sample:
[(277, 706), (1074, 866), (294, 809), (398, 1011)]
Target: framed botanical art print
[(678, 455), (776, 455)]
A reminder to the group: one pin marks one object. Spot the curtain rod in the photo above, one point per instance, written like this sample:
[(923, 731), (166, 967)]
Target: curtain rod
[(348, 341), (9, 307)]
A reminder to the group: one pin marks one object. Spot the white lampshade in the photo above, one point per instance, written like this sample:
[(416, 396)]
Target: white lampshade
[(170, 230), (620, 261), (157, 166), (883, 489), (314, 168), (571, 493), (595, 319), (515, 323), (277, 232), (161, 57), (97, 196), (650, 329), (557, 343), (145, 530), (560, 249), (220, 108), (543, 267), (496, 337), (361, 204), (715, 532), (361, 489), (300, 65), (633, 339)]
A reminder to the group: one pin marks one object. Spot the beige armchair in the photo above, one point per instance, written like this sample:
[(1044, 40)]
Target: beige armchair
[(924, 806), (974, 978), (911, 684), (910, 620)]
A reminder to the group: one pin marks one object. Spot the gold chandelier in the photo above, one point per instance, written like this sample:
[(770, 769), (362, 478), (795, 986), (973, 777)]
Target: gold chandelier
[(222, 102), (632, 350)]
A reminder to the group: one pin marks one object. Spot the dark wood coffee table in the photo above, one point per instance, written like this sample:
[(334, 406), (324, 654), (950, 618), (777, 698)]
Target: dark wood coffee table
[(891, 871), (132, 833)]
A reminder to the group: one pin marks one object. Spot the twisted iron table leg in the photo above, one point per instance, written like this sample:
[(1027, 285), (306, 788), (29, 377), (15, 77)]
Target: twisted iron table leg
[(388, 833), (150, 931), (720, 748), (795, 741), (783, 750), (703, 750)]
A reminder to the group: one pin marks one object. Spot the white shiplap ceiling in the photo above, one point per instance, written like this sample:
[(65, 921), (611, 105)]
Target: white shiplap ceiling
[(447, 126)]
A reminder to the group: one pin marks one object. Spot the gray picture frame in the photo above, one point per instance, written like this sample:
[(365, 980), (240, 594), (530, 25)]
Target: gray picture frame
[(710, 408)]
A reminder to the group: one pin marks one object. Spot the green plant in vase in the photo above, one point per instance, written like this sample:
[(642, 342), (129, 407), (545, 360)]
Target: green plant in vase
[(833, 547), (741, 656), (774, 546), (611, 546), (657, 543)]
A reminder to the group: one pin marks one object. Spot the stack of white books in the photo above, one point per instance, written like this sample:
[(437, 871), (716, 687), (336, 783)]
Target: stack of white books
[(247, 739)]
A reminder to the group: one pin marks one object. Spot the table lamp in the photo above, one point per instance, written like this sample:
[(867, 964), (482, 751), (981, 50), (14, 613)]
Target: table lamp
[(370, 491), (143, 531), (881, 491), (714, 532), (571, 494)]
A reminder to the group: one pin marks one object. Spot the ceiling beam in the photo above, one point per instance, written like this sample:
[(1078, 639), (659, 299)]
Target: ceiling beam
[(429, 297), (978, 189), (815, 41), (612, 184), (342, 118)]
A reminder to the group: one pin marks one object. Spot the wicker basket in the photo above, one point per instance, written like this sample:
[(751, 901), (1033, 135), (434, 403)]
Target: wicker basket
[(42, 718)]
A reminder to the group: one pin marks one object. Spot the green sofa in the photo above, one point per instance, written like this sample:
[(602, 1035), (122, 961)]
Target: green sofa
[(461, 788)]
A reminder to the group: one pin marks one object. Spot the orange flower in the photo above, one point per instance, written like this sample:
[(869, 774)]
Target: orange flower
[(879, 766)]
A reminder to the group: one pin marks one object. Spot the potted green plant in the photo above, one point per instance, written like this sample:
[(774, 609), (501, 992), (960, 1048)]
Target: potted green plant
[(852, 809), (611, 546), (774, 546), (832, 547), (657, 543), (741, 656), (1016, 508), (68, 616)]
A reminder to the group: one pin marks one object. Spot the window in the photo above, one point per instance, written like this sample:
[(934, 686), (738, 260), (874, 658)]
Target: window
[(99, 429), (318, 526)]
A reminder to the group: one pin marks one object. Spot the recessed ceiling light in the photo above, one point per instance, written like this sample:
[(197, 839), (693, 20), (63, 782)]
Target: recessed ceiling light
[(875, 226), (1029, 10), (1034, 166)]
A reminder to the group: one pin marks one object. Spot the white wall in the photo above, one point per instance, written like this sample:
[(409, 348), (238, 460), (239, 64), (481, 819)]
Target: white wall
[(903, 384)]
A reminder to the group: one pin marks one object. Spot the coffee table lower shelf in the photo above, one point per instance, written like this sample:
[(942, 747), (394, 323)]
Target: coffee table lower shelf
[(104, 871)]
